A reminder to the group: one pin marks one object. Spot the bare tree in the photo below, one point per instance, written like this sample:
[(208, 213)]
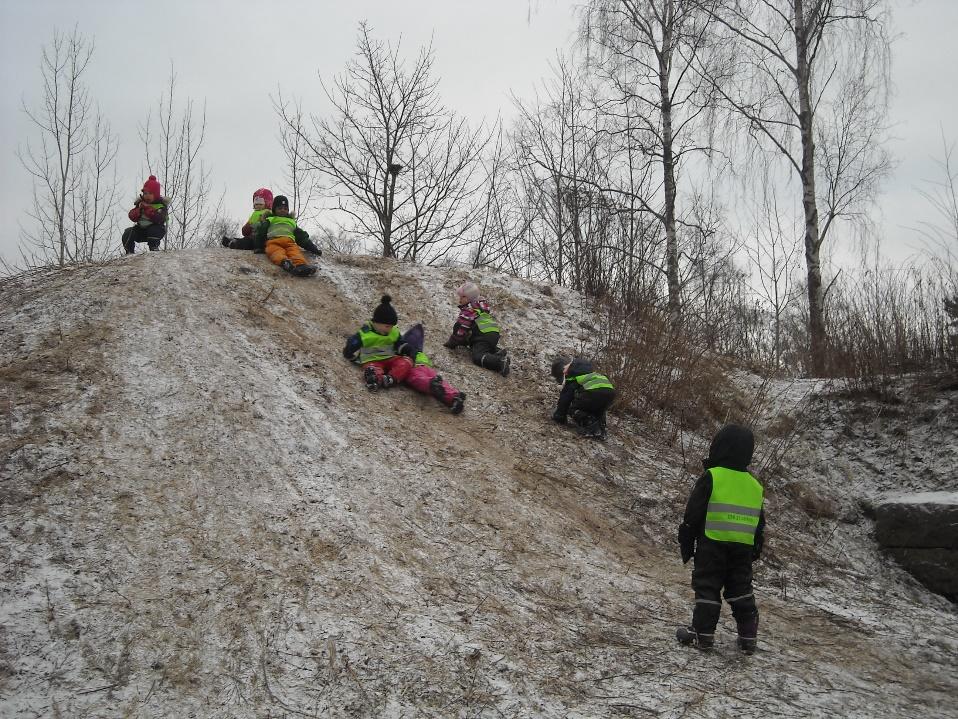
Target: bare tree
[(810, 81), (773, 253), (74, 180), (652, 54), (300, 175), (941, 235), (401, 164), (173, 155)]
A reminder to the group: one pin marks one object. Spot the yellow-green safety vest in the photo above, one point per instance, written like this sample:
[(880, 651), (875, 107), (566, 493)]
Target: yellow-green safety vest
[(486, 322), (734, 506), (377, 347), (280, 227), (593, 380)]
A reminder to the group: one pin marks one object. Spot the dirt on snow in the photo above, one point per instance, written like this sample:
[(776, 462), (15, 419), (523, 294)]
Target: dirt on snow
[(204, 513)]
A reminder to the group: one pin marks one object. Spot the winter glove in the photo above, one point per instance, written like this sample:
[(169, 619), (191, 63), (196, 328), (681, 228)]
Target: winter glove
[(311, 247), (451, 343), (560, 418)]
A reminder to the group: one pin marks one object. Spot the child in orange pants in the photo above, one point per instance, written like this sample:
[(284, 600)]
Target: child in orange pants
[(276, 235)]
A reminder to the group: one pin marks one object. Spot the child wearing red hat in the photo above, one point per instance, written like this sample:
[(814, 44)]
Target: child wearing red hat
[(149, 213)]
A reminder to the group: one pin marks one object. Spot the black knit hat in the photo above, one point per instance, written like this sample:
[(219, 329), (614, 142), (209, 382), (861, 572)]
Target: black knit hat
[(280, 201), (384, 313)]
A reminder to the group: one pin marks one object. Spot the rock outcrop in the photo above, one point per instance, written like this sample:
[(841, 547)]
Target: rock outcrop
[(921, 532)]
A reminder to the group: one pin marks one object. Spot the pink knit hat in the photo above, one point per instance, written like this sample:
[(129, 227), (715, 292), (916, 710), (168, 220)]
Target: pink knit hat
[(469, 290), (264, 195), (152, 186)]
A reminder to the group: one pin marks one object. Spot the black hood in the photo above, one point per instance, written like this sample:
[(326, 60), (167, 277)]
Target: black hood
[(732, 447), (578, 367)]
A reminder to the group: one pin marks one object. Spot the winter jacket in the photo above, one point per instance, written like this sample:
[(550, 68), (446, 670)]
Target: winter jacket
[(152, 214), (474, 320), (732, 449), (275, 226), (254, 219), (579, 377)]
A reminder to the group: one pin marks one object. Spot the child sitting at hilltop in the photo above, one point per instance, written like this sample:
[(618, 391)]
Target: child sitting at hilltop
[(262, 202), (585, 393), (278, 235), (424, 378), (149, 213), (379, 349), (477, 329)]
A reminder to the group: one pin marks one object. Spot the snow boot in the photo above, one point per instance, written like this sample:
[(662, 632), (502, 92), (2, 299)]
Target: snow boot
[(387, 381), (506, 365), (748, 634), (287, 265), (458, 403), (304, 270), (369, 377), (436, 388), (225, 241), (688, 637)]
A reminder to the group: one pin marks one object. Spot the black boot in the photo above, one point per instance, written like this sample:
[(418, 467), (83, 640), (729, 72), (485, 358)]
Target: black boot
[(689, 637), (748, 635), (303, 270), (369, 376), (287, 265), (458, 403)]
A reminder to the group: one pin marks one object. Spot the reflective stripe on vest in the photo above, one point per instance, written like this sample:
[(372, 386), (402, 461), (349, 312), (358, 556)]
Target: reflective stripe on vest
[(377, 347), (280, 227), (593, 380), (146, 221), (486, 323), (734, 506)]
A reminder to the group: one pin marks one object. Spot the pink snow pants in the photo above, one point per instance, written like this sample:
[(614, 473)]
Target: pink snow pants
[(421, 375)]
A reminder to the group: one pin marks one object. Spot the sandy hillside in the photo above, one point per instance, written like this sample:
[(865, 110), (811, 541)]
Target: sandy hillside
[(205, 514)]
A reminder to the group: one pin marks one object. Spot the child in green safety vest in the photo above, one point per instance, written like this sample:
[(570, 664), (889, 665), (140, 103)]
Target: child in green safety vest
[(279, 236), (262, 202), (724, 529), (379, 349), (149, 213), (477, 329), (585, 394)]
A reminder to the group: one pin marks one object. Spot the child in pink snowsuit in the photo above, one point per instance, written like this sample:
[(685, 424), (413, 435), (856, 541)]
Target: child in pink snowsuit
[(423, 378)]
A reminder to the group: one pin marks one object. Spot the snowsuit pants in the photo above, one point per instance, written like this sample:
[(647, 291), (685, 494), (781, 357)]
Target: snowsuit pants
[(151, 234), (420, 377), (242, 243), (397, 367), (589, 406), (725, 565), (284, 248), (483, 348)]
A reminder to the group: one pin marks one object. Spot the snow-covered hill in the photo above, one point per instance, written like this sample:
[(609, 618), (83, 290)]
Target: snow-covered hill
[(204, 513)]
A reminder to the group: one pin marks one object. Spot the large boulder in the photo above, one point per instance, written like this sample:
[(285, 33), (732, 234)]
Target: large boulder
[(921, 532)]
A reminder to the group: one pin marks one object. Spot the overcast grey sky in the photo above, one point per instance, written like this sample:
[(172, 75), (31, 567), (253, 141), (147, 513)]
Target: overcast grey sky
[(233, 54)]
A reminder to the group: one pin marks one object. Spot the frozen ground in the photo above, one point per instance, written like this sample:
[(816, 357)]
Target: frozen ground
[(205, 514)]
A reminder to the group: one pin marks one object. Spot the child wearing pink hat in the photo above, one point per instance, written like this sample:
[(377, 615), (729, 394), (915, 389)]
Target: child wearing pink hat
[(262, 202), (477, 329), (149, 213)]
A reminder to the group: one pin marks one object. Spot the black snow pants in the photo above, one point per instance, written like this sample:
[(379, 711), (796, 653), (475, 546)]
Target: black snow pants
[(152, 234), (484, 353), (588, 407), (725, 565)]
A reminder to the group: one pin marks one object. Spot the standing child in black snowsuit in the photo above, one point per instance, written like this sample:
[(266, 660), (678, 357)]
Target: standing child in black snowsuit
[(724, 529), (585, 393), (478, 330)]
